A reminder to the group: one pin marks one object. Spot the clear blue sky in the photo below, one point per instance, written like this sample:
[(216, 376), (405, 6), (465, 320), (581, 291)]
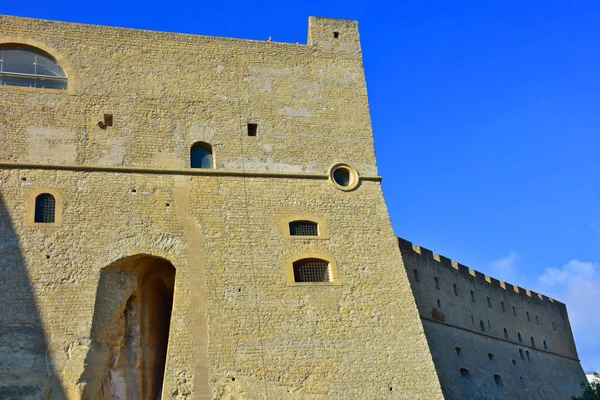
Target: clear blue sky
[(486, 117)]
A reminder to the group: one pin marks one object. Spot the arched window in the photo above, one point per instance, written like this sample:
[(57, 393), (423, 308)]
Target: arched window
[(528, 355), (311, 270), (519, 337), (545, 345), (498, 379), (481, 326), (201, 155), (505, 333), (521, 354), (22, 65), (304, 228), (45, 206), (532, 342)]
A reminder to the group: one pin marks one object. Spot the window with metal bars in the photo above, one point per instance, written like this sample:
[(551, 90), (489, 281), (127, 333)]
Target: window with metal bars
[(311, 270), (304, 228), (45, 206)]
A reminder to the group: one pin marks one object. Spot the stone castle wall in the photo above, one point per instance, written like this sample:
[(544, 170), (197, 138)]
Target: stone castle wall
[(128, 205), (490, 328)]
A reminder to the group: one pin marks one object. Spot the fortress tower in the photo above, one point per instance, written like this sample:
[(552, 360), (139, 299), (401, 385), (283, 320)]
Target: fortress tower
[(189, 217)]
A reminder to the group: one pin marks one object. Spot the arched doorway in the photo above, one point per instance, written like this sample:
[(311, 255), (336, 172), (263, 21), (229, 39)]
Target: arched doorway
[(130, 330)]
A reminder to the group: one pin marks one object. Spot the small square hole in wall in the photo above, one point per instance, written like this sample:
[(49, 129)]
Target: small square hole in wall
[(336, 35), (252, 129), (108, 119)]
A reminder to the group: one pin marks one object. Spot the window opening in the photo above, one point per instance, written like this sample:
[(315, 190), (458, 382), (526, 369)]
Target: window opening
[(439, 303), (498, 379), (490, 356), (458, 351), (45, 208), (514, 311), (514, 362), (532, 342), (545, 345), (519, 337), (22, 65), (489, 324), (472, 295), (465, 373), (311, 270), (553, 325), (481, 326), (304, 228), (252, 129), (437, 283), (336, 35), (416, 273), (528, 355), (455, 290), (489, 302), (527, 313), (505, 333), (201, 155), (521, 354), (341, 176), (503, 306), (472, 320), (537, 320)]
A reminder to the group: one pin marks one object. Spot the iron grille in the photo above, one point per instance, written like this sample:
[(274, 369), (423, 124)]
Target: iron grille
[(304, 228), (45, 205), (311, 270)]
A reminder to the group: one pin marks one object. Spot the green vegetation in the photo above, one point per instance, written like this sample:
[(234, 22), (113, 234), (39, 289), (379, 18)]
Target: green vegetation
[(590, 392)]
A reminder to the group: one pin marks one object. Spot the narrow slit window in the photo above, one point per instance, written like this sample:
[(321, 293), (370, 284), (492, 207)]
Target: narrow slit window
[(503, 306), (532, 342), (528, 355), (498, 379), (45, 208), (527, 313), (311, 270), (537, 320), (521, 354), (545, 345), (505, 333), (458, 351), (519, 337), (304, 228), (416, 273), (437, 283), (455, 290), (252, 129), (472, 295), (514, 311), (489, 301), (482, 325), (439, 303)]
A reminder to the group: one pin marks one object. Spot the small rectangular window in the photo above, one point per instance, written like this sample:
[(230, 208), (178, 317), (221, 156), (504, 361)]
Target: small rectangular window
[(252, 129), (304, 228), (437, 283), (108, 119), (514, 311), (472, 295), (503, 306), (336, 35), (527, 313), (489, 302), (455, 290), (416, 273)]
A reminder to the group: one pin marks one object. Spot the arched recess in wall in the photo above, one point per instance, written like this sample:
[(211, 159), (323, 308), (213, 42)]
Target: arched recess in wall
[(130, 329), (50, 71), (201, 155)]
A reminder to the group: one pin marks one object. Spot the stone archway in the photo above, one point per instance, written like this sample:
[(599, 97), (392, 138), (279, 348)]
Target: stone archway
[(130, 330)]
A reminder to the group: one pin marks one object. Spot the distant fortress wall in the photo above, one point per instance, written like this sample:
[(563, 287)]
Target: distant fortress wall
[(485, 334)]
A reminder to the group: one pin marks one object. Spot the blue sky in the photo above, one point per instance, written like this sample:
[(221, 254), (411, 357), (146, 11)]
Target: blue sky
[(486, 118)]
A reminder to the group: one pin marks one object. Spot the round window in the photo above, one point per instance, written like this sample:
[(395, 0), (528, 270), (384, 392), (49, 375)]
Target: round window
[(343, 176)]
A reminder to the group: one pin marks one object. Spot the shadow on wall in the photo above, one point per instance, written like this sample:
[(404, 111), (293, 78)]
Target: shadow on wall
[(26, 370), (130, 330)]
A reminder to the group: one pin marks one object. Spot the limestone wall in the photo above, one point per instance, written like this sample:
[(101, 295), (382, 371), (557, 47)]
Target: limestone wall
[(237, 329), (462, 308)]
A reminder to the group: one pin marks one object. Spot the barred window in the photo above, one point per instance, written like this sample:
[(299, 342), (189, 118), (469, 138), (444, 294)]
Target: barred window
[(45, 206), (22, 65), (311, 270), (304, 228)]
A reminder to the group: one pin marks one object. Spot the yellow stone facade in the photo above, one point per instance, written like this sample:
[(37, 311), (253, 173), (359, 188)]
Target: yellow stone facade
[(75, 293)]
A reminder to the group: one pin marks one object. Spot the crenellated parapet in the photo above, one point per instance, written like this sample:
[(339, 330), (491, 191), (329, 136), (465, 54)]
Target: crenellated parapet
[(428, 256)]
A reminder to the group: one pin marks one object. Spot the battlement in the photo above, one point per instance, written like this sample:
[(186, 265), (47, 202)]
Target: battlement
[(407, 248)]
